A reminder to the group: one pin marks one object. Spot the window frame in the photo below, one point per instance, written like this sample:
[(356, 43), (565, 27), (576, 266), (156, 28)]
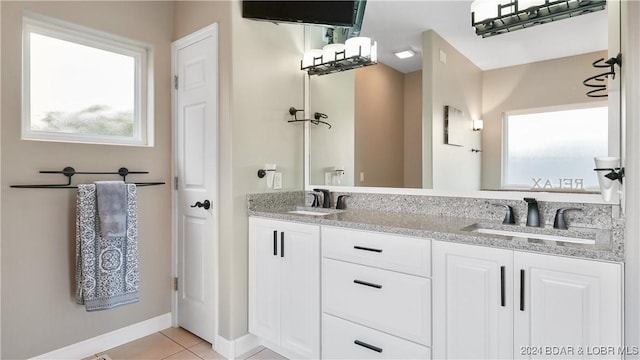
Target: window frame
[(143, 124), (505, 141)]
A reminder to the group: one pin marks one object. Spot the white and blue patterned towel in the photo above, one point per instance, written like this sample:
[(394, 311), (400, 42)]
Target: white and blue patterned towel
[(106, 267)]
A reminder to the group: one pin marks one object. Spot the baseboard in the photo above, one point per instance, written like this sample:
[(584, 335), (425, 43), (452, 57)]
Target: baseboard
[(231, 349), (110, 340)]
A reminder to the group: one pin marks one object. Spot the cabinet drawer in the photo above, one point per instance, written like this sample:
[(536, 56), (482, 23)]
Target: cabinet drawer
[(342, 339), (392, 252), (388, 301)]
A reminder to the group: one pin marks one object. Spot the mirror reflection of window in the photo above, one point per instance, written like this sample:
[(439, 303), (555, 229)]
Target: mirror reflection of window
[(554, 150)]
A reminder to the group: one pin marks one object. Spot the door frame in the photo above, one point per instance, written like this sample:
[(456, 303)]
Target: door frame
[(214, 267)]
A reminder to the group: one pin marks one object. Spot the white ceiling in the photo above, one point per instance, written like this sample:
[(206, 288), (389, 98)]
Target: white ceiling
[(398, 25)]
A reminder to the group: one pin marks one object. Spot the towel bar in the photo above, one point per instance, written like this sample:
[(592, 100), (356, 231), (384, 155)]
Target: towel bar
[(69, 172)]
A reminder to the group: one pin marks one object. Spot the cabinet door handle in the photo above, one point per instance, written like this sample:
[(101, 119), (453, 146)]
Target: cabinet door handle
[(275, 242), (282, 244), (521, 290), (502, 290), (367, 249), (368, 346), (360, 282)]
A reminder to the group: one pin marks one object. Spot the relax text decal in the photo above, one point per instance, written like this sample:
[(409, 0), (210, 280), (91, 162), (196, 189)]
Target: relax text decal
[(567, 183)]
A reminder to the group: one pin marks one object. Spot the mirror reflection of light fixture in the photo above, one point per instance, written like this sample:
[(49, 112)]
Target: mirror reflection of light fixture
[(404, 54), (477, 124), (354, 53), (494, 17)]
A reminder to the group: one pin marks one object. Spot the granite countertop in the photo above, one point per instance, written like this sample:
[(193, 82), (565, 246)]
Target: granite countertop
[(608, 242)]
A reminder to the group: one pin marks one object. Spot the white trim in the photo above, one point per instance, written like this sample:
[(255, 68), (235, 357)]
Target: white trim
[(110, 340), (208, 31), (231, 349)]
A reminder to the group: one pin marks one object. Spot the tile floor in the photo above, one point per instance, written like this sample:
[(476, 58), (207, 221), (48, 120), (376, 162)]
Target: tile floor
[(175, 344)]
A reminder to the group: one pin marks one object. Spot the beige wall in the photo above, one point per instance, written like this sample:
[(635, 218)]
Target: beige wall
[(260, 80), (254, 98), (413, 129), (379, 126), (458, 83), (38, 232), (536, 85)]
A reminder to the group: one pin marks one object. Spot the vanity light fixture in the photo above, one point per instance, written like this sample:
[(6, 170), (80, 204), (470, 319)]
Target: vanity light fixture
[(404, 54), (477, 124), (354, 53), (494, 17)]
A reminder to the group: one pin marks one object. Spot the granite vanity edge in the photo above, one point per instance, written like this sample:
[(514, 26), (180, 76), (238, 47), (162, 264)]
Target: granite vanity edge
[(615, 254)]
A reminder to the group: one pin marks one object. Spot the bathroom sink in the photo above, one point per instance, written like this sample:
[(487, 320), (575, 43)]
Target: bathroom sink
[(587, 239), (306, 212), (313, 211)]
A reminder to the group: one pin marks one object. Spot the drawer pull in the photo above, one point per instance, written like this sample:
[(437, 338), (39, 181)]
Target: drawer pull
[(360, 282), (367, 249), (275, 242), (503, 298), (522, 290), (365, 345)]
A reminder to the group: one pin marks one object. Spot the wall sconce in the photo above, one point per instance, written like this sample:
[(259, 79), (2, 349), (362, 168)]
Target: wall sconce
[(477, 124), (494, 17), (354, 53)]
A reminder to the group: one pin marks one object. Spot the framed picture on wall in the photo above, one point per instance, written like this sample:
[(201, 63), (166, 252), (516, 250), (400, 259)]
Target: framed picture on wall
[(454, 126)]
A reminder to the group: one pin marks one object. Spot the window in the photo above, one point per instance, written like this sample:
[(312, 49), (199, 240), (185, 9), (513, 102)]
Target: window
[(81, 85), (553, 150)]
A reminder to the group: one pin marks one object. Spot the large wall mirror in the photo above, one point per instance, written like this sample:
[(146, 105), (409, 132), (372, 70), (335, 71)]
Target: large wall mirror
[(388, 120)]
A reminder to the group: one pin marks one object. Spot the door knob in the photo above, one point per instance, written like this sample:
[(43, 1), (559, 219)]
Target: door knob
[(206, 204)]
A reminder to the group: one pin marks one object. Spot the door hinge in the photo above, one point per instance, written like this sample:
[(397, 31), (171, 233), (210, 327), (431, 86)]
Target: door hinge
[(175, 284), (175, 183), (175, 82)]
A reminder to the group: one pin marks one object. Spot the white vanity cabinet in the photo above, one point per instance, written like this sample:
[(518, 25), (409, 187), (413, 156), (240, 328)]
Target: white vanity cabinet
[(284, 286), (376, 295), (494, 303), (566, 306), (472, 302)]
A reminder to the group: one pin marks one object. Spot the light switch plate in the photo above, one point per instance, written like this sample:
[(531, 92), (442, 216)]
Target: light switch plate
[(327, 178), (277, 181)]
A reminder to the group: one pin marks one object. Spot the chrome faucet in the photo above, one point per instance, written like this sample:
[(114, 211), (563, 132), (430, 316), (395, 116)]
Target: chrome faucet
[(533, 213)]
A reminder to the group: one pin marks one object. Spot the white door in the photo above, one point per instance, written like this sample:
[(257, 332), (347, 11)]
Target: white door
[(195, 68), (472, 302), (567, 308)]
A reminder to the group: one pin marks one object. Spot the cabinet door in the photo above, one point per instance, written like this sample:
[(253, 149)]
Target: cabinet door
[(565, 305), (264, 279), (472, 302), (300, 297)]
